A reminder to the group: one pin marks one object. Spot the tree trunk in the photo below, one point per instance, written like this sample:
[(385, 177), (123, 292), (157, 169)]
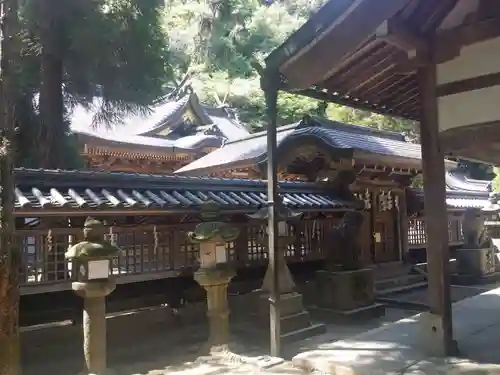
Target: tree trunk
[(9, 254), (52, 131)]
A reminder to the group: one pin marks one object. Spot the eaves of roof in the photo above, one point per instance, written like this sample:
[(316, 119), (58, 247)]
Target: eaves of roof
[(363, 141), (49, 192)]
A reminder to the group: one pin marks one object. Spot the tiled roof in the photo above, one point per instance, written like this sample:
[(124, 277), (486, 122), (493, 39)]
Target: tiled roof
[(462, 192), (144, 129), (455, 180), (253, 149), (53, 190), (466, 203)]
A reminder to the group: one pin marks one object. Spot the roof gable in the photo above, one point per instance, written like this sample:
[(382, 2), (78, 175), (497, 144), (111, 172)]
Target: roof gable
[(253, 149), (181, 122)]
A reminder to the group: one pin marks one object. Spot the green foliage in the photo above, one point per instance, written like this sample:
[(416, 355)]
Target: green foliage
[(114, 49), (219, 42), (496, 180)]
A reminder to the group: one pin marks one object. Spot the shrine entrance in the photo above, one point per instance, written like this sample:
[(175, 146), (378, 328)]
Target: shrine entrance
[(385, 246)]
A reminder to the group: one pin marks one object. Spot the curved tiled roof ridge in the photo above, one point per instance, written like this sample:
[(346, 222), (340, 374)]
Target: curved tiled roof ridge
[(166, 113), (310, 121), (28, 175), (354, 128), (458, 181), (253, 149), (50, 191)]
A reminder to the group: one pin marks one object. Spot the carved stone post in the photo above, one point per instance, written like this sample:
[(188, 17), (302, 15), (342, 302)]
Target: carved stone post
[(214, 275), (90, 271)]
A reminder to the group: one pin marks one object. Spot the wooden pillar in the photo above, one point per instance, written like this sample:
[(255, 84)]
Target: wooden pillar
[(241, 242), (403, 225), (270, 86), (436, 334)]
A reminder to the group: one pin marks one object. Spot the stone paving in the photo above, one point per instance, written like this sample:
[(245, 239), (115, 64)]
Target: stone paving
[(420, 295), (156, 343), (152, 343), (400, 348)]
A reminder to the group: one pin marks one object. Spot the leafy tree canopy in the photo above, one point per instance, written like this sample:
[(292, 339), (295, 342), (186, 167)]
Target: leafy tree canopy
[(113, 49), (218, 42)]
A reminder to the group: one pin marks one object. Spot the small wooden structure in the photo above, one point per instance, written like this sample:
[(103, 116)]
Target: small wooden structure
[(148, 217), (434, 62), (377, 166), (177, 131)]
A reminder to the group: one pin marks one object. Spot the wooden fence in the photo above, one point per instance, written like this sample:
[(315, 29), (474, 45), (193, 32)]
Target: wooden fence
[(152, 252), (417, 235)]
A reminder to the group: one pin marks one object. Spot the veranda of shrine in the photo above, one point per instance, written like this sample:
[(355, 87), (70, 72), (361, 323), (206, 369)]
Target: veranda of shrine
[(149, 216), (434, 62)]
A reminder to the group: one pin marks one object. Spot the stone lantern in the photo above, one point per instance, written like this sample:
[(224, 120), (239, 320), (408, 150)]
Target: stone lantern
[(214, 274), (90, 264), (294, 319)]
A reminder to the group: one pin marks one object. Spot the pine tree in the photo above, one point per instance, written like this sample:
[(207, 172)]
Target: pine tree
[(9, 254)]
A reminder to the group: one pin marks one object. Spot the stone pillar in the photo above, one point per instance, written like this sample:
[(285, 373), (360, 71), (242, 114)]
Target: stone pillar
[(90, 270), (214, 273), (94, 323), (294, 320), (216, 282)]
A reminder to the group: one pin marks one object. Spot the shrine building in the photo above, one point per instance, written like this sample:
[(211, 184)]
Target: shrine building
[(177, 131)]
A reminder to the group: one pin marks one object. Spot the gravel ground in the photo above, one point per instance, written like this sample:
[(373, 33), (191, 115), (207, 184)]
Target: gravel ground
[(154, 343), (149, 343)]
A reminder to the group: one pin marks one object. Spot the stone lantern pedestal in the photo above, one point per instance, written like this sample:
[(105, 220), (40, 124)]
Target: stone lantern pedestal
[(94, 323), (215, 282), (90, 271), (295, 320), (214, 273)]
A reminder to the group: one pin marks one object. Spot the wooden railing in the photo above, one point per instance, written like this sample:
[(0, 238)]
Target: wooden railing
[(154, 251), (417, 236), (159, 251)]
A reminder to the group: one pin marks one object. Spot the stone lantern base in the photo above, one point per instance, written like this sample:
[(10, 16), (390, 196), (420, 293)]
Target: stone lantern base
[(295, 320), (94, 323), (215, 282)]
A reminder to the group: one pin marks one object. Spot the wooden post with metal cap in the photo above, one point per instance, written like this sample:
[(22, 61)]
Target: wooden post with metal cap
[(270, 86)]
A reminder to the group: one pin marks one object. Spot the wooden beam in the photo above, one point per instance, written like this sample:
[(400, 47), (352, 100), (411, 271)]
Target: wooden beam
[(316, 61), (401, 36), (472, 139), (469, 84), (437, 330), (465, 35)]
